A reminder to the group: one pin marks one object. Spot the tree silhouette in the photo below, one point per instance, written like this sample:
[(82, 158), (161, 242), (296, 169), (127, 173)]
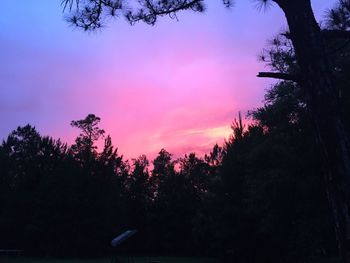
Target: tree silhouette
[(90, 132), (315, 76), (258, 198)]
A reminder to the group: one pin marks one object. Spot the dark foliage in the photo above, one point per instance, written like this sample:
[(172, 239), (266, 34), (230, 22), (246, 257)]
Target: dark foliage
[(260, 197)]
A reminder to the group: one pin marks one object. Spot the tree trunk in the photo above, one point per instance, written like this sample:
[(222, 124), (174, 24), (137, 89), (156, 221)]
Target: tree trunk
[(323, 101)]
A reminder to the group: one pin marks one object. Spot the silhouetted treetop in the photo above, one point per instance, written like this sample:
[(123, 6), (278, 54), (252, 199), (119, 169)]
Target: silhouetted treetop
[(89, 128), (89, 134)]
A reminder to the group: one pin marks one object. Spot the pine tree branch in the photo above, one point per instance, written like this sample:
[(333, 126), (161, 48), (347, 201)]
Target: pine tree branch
[(278, 75), (153, 12), (329, 34)]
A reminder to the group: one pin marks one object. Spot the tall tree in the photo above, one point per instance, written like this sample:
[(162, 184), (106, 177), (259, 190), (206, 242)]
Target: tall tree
[(139, 194), (315, 75), (175, 203), (84, 147)]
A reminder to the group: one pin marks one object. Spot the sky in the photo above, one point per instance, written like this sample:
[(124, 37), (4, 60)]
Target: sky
[(177, 85)]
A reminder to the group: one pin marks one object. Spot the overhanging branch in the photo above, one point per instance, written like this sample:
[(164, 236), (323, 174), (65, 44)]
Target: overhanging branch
[(328, 34), (331, 34), (278, 75)]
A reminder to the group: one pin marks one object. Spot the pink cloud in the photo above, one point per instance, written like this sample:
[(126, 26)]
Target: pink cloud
[(175, 85)]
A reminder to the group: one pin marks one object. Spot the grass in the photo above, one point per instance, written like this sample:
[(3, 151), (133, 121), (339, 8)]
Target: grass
[(108, 260)]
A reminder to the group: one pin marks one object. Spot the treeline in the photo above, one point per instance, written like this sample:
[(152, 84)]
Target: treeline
[(258, 198)]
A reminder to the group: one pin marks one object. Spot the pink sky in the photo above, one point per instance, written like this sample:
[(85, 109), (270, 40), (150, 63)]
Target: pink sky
[(177, 85)]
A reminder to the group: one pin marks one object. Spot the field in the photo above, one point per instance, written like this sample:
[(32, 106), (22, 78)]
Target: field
[(108, 260)]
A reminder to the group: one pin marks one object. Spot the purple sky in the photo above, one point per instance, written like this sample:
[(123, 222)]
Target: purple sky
[(176, 85)]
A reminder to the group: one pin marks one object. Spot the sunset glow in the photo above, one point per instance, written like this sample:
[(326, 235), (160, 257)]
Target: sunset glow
[(177, 85)]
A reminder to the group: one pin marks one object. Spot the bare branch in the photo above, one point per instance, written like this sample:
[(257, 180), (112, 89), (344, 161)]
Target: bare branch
[(278, 75), (331, 34)]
